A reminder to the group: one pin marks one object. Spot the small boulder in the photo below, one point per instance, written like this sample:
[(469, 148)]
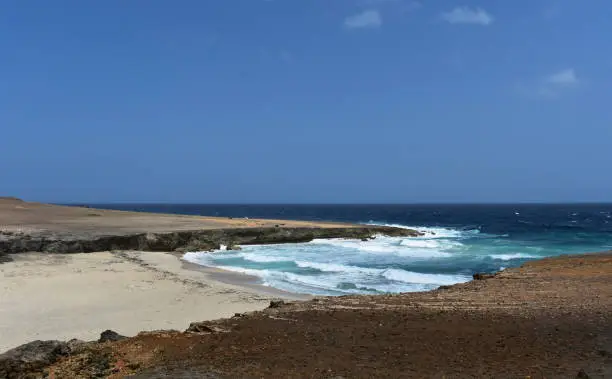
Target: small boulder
[(364, 240), (203, 327), (582, 375), (110, 336), (30, 357), (233, 246), (276, 304), (482, 276)]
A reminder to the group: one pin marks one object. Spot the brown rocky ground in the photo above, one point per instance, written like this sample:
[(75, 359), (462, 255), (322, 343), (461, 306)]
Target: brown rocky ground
[(31, 218), (548, 319)]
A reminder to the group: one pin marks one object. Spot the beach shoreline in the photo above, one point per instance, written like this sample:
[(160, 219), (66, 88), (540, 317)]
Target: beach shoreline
[(72, 272), (547, 318), (53, 296)]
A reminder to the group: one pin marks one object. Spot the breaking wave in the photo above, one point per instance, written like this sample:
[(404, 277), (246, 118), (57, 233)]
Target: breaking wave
[(441, 256)]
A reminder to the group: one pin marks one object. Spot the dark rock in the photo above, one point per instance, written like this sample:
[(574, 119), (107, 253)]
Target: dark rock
[(196, 240), (582, 375), (482, 276), (604, 353), (110, 336), (233, 246), (203, 327), (5, 258), (199, 327), (276, 304), (444, 287), (31, 357), (365, 239)]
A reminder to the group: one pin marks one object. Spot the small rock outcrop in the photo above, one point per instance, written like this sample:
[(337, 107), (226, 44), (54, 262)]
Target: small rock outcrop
[(276, 304), (31, 357), (233, 246), (482, 276), (204, 327), (110, 336)]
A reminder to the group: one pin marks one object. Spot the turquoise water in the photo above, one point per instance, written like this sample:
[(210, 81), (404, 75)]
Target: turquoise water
[(385, 265), (460, 240)]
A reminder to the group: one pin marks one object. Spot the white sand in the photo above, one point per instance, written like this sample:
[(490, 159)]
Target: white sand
[(78, 296)]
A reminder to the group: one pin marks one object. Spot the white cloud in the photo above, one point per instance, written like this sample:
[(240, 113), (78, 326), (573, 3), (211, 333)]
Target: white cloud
[(563, 78), (467, 15), (552, 86), (366, 19)]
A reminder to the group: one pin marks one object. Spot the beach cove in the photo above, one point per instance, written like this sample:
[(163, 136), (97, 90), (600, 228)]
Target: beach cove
[(549, 317)]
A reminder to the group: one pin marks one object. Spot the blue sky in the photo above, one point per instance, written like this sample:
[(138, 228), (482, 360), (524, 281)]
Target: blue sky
[(306, 100)]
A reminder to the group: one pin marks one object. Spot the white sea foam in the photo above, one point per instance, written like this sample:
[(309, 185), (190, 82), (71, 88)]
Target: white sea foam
[(508, 257), (419, 278), (431, 244), (405, 247), (352, 266), (261, 258), (432, 232), (340, 268)]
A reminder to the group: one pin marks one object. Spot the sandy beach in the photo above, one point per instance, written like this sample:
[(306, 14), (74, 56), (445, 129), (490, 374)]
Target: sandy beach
[(546, 319), (52, 296)]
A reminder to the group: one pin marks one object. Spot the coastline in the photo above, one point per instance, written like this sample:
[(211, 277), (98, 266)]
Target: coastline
[(53, 296), (246, 281), (550, 317), (129, 264), (547, 318)]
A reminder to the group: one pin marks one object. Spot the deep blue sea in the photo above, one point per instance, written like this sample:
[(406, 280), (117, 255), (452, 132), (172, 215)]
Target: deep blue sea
[(460, 240)]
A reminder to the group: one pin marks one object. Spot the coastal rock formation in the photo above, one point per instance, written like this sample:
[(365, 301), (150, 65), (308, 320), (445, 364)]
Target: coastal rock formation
[(197, 240), (35, 227)]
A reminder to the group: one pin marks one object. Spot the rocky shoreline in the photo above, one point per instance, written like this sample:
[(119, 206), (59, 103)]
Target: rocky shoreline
[(549, 318), (181, 241), (34, 227)]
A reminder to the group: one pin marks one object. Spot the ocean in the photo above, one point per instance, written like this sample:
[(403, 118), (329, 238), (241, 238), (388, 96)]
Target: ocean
[(460, 240)]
